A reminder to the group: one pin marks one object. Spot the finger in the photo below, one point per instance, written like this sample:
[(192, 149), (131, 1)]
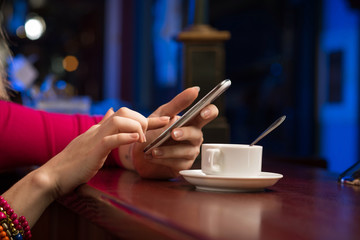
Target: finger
[(206, 115), (178, 151), (107, 115), (157, 122), (118, 124), (178, 103), (128, 113), (180, 156), (114, 141), (192, 134)]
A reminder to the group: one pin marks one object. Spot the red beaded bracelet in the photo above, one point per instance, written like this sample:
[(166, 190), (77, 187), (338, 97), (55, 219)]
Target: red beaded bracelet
[(12, 226)]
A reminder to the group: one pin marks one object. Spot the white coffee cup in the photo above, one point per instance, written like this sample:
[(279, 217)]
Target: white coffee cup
[(238, 160)]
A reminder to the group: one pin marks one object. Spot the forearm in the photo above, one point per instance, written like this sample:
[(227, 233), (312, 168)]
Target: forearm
[(30, 137), (31, 195)]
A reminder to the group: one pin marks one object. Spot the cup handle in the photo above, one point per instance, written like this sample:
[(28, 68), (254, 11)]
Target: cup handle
[(213, 159)]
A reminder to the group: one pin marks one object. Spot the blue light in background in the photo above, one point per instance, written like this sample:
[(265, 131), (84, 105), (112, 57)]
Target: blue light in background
[(167, 24), (276, 69), (20, 8), (339, 121), (61, 84), (191, 11)]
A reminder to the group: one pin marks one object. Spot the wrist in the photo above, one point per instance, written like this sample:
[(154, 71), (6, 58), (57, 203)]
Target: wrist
[(45, 182), (38, 190)]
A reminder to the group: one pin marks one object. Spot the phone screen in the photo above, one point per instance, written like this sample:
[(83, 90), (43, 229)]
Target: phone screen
[(190, 114)]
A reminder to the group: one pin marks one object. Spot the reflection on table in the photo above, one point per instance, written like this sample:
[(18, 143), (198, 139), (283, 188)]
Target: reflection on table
[(307, 203)]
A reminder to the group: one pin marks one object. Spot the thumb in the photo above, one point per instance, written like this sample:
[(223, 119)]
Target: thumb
[(178, 103)]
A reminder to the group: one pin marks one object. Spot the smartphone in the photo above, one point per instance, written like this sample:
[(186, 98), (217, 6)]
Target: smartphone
[(190, 114)]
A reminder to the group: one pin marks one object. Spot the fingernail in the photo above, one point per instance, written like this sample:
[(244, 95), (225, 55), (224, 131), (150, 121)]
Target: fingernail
[(143, 138), (165, 118), (205, 113), (198, 88), (158, 152), (178, 133), (134, 135)]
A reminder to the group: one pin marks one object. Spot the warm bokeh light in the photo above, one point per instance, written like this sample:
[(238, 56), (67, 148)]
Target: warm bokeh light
[(20, 32), (35, 27), (70, 63), (37, 3)]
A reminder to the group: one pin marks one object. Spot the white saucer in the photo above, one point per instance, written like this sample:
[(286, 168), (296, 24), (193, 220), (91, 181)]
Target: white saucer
[(230, 184)]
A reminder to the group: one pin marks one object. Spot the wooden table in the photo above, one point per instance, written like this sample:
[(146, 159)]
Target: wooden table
[(307, 203)]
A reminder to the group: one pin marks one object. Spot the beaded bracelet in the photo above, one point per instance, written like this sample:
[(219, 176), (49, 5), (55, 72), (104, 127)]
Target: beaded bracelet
[(12, 227)]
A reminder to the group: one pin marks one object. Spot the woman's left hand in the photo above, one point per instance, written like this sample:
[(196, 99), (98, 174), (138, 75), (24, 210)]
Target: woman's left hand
[(181, 150)]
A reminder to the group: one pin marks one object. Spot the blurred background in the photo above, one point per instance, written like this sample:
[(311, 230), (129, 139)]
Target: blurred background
[(297, 58)]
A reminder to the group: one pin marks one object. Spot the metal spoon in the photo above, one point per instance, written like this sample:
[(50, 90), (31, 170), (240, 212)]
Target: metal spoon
[(269, 129)]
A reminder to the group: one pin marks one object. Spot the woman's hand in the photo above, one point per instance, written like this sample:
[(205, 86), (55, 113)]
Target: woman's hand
[(86, 154), (181, 151), (78, 162)]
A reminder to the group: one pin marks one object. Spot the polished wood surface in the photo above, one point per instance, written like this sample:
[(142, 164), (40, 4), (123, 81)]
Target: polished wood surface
[(307, 203)]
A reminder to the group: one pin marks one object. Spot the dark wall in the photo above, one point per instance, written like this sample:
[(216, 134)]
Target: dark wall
[(271, 60)]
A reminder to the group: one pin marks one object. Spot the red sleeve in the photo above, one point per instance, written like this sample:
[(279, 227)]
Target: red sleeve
[(31, 137)]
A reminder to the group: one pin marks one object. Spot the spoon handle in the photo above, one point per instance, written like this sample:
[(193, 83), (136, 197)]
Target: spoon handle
[(269, 129)]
